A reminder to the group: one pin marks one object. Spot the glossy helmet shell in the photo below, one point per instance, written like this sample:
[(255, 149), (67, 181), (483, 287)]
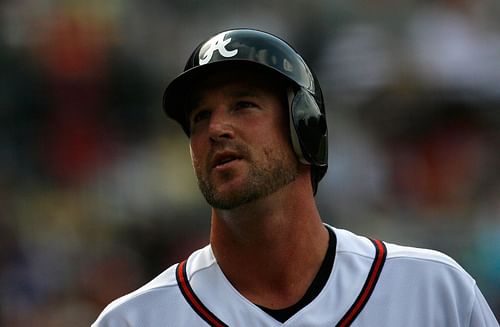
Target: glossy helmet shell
[(309, 132)]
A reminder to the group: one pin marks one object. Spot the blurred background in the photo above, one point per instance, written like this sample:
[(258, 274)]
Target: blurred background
[(97, 194)]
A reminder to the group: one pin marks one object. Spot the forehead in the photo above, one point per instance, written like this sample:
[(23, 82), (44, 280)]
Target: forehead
[(235, 81)]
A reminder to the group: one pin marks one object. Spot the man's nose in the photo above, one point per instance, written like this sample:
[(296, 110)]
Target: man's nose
[(220, 125)]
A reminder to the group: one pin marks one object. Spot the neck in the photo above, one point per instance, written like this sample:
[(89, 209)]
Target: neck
[(271, 250)]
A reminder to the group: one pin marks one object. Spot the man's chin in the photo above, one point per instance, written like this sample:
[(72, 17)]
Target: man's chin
[(226, 203), (235, 189), (229, 195)]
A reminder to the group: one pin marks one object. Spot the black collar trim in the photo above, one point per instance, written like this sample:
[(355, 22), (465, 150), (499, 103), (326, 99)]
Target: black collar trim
[(316, 286)]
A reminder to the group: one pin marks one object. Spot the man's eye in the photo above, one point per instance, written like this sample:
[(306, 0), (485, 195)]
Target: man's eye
[(200, 115), (244, 104)]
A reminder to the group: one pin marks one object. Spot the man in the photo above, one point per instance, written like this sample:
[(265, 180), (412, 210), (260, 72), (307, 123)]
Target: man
[(254, 113)]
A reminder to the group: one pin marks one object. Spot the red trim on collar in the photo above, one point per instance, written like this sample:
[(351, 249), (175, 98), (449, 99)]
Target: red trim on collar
[(193, 300), (368, 287)]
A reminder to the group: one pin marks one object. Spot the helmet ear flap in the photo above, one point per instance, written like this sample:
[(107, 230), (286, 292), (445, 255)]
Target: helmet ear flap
[(308, 128), (297, 147)]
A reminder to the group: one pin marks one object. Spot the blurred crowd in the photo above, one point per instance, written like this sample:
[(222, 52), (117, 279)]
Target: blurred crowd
[(97, 193)]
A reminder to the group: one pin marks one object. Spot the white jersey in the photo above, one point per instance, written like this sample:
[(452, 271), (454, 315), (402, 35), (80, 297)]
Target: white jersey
[(371, 284)]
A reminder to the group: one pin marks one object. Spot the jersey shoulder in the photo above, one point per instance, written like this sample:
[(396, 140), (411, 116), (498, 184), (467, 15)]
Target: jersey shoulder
[(433, 257), (401, 257), (161, 294), (429, 286), (361, 245)]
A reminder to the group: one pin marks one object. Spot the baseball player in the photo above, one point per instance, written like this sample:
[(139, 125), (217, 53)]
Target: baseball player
[(254, 114)]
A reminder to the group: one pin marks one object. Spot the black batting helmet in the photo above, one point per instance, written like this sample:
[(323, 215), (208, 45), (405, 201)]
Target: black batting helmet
[(307, 112)]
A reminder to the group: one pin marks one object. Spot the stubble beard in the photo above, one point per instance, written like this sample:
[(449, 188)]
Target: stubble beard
[(263, 178)]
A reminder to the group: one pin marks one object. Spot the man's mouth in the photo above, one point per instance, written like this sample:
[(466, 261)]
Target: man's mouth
[(224, 159)]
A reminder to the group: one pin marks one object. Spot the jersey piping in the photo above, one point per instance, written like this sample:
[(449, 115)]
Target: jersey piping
[(347, 319), (368, 287), (193, 300)]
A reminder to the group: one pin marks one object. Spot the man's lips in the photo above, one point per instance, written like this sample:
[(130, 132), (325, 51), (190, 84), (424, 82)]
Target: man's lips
[(224, 158)]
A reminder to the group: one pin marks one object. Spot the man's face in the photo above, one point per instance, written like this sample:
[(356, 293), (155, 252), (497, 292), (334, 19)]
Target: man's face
[(239, 138)]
